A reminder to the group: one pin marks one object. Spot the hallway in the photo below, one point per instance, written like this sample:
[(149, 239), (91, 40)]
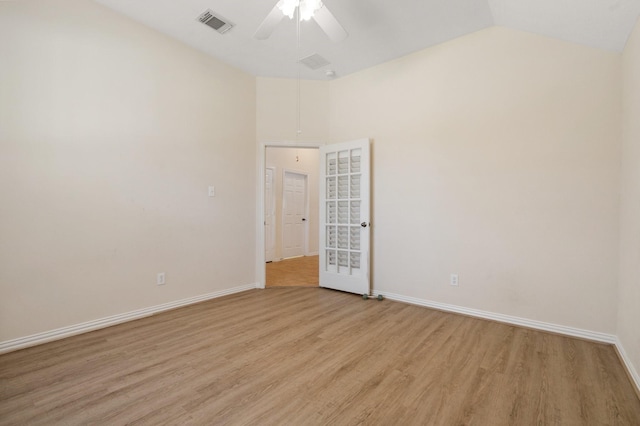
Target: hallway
[(295, 272)]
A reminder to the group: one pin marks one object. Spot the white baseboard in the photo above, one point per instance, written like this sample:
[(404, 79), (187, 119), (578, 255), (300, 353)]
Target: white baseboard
[(523, 322), (538, 325), (633, 373), (61, 333)]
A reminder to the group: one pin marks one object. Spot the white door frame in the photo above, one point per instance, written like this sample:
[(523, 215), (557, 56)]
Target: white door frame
[(273, 213), (305, 247), (261, 165)]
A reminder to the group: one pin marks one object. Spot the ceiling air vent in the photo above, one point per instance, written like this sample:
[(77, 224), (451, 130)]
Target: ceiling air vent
[(314, 61), (215, 21)]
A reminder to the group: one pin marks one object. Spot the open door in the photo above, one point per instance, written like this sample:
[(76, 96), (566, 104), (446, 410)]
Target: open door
[(344, 216)]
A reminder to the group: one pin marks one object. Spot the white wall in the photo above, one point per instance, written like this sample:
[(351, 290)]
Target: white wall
[(296, 160), (110, 134), (495, 156), (629, 302)]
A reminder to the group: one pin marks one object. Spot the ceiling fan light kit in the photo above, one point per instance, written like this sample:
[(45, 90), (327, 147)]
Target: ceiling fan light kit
[(307, 8)]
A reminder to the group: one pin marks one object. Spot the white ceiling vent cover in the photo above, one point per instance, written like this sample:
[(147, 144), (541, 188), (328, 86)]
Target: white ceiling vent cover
[(215, 21), (314, 61)]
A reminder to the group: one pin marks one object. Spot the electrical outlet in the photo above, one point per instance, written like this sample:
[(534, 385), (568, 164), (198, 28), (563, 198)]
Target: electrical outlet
[(212, 191), (454, 279), (160, 278)]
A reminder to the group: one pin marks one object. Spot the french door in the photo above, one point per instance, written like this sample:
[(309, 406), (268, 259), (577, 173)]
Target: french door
[(344, 216)]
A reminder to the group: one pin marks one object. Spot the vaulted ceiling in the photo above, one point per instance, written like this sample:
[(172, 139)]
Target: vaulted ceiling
[(379, 30)]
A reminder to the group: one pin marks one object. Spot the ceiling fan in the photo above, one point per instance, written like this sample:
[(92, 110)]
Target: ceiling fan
[(306, 9)]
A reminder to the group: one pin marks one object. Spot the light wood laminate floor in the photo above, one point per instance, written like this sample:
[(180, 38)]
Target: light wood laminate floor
[(310, 356), (295, 272)]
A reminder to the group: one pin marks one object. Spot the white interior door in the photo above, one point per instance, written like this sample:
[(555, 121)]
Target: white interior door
[(344, 216), (269, 215), (294, 201)]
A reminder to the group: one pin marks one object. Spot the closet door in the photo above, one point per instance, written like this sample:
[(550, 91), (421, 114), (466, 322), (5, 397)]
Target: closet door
[(344, 216)]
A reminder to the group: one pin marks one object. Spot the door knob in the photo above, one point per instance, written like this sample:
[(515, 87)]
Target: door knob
[(363, 224), (304, 220)]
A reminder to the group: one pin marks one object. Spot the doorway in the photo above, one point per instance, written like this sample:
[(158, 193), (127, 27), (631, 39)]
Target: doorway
[(345, 173), (291, 216)]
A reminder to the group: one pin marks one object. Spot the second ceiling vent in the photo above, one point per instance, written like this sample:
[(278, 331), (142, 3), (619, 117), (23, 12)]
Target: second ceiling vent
[(215, 21), (314, 61)]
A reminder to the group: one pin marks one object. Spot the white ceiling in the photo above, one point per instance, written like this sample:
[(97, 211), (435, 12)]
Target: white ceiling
[(379, 30)]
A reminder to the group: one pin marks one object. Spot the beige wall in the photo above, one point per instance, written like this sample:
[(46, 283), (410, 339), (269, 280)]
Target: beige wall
[(495, 156), (276, 117), (110, 134), (629, 304), (296, 160)]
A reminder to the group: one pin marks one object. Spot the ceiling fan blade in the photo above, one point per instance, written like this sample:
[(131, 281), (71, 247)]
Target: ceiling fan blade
[(269, 24), (329, 24)]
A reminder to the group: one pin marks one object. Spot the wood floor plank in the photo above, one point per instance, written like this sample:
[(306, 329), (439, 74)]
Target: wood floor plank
[(314, 356)]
